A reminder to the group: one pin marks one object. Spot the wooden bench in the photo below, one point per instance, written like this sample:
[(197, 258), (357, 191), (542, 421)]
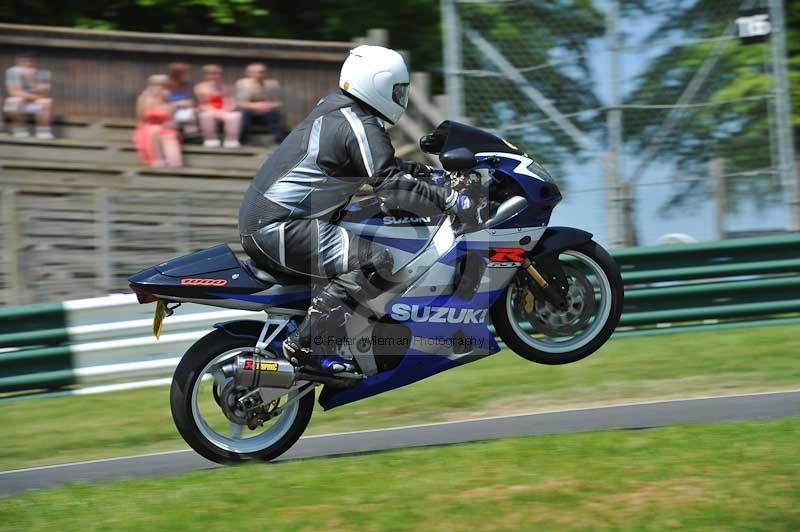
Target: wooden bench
[(81, 227), (121, 130), (84, 227), (52, 175), (124, 154)]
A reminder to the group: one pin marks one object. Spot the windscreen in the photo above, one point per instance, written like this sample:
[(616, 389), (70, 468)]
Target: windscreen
[(450, 135)]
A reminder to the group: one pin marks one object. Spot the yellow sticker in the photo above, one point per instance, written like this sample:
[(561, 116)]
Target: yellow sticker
[(268, 366), (158, 318), (346, 85)]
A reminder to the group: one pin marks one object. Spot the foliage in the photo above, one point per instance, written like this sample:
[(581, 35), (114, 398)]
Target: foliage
[(413, 24), (734, 125), (549, 43)]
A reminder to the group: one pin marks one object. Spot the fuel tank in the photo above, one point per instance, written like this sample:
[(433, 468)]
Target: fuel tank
[(404, 236)]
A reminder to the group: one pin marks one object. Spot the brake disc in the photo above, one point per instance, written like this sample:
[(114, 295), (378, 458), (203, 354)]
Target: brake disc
[(580, 305), (229, 402), (244, 406)]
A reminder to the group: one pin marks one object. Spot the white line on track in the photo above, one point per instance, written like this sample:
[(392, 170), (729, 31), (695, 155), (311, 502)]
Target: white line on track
[(558, 411), (421, 425)]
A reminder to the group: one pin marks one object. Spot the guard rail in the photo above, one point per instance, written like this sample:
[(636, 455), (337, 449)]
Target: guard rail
[(51, 346)]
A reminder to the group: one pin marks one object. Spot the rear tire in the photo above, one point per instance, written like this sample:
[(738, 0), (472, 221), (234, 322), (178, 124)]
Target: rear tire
[(187, 373), (514, 339)]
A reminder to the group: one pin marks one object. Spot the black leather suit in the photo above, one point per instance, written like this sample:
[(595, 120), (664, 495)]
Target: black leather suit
[(288, 219)]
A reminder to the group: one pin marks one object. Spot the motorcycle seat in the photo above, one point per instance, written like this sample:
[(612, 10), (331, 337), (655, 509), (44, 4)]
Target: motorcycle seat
[(273, 277)]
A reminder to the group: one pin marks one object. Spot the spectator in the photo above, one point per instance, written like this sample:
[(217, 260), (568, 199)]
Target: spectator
[(156, 139), (259, 99), (28, 95), (216, 106), (181, 99)]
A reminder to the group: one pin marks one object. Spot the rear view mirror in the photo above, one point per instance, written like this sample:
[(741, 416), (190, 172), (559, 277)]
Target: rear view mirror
[(457, 159), (431, 143)]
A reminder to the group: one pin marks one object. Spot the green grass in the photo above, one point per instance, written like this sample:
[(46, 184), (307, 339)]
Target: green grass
[(713, 362), (736, 476)]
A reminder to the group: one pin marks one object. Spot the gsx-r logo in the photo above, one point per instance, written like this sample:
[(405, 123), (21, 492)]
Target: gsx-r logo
[(421, 313)]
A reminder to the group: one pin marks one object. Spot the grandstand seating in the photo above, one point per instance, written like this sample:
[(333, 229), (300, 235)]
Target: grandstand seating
[(82, 212), (78, 215), (122, 154)]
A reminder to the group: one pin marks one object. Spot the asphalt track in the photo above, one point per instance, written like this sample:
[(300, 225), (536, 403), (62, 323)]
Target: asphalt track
[(626, 416)]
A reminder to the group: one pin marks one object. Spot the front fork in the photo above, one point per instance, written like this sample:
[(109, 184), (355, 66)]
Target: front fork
[(546, 280)]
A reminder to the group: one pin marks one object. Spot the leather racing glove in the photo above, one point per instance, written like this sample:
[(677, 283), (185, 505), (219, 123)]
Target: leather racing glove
[(467, 199), (416, 169)]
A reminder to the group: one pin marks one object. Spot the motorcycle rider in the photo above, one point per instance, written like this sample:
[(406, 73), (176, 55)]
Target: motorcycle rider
[(288, 218)]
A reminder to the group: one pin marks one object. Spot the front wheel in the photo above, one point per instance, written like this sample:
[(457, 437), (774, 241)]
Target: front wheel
[(536, 330), (226, 422)]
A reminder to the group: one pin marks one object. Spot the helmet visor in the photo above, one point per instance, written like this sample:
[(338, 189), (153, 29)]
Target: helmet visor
[(400, 94)]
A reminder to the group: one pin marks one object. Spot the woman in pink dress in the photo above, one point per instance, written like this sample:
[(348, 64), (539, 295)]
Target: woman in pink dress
[(155, 138), (217, 105)]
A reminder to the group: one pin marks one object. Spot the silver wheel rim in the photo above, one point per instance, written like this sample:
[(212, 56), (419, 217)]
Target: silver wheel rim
[(256, 443), (556, 346)]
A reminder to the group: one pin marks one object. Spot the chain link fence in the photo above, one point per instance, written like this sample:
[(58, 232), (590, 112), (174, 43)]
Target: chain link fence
[(653, 114)]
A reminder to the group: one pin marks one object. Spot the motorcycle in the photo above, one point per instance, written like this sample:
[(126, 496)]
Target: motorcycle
[(552, 294)]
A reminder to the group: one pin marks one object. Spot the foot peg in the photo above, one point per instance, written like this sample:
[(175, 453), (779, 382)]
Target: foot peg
[(328, 367), (338, 365), (315, 362)]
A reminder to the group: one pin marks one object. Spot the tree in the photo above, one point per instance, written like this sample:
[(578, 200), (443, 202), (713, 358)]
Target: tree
[(413, 24), (731, 117), (548, 43)]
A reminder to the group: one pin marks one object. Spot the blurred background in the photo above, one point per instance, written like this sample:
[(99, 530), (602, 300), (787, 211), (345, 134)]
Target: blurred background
[(661, 121), (131, 129)]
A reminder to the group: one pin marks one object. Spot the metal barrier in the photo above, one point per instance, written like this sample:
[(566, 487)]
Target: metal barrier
[(96, 340), (726, 279), (667, 287)]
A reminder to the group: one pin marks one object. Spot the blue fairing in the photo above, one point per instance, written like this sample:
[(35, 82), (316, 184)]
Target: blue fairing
[(461, 248), (542, 195), (478, 334), (416, 365), (410, 245)]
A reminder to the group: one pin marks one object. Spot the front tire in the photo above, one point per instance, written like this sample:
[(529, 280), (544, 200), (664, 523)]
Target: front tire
[(536, 340), (185, 400)]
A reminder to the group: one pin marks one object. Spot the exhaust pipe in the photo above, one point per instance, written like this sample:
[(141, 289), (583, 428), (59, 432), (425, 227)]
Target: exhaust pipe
[(258, 371)]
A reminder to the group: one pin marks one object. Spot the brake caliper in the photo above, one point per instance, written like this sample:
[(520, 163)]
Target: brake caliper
[(553, 290)]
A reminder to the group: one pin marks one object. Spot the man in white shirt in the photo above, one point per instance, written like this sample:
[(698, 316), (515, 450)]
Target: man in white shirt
[(259, 100), (28, 94)]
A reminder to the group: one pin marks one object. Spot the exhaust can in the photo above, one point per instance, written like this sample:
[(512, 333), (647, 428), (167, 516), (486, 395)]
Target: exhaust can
[(257, 371)]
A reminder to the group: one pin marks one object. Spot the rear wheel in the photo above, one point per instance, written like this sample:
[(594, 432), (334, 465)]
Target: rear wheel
[(227, 422), (538, 331)]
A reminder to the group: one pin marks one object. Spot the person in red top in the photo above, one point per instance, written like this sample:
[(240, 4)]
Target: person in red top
[(217, 105), (155, 137)]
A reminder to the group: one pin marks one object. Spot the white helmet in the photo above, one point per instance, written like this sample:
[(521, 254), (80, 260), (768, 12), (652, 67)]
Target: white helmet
[(378, 77)]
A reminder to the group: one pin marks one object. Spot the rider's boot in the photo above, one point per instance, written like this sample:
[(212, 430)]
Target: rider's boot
[(306, 346)]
